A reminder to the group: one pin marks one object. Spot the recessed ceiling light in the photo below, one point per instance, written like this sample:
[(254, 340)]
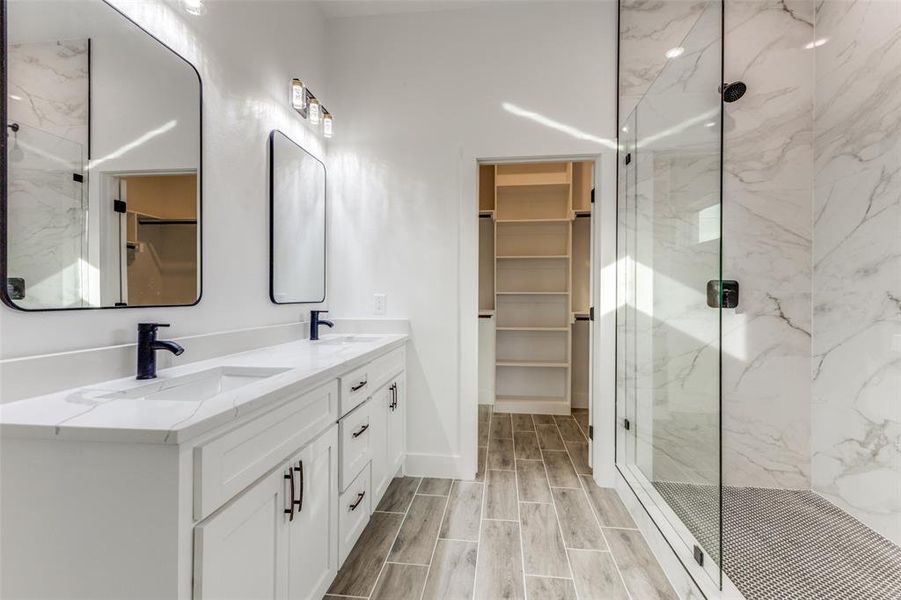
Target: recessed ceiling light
[(675, 52), (816, 43)]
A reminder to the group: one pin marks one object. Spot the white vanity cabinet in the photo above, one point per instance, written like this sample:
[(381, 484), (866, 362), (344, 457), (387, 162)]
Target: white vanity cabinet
[(372, 440), (261, 500), (278, 538), (388, 415)]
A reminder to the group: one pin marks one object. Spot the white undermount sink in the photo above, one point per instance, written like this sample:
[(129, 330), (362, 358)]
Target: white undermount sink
[(340, 340), (197, 387)]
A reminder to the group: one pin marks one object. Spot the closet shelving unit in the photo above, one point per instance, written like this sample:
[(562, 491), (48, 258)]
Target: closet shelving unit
[(534, 271)]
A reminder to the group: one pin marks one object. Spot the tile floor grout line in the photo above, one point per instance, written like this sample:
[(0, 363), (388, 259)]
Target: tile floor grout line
[(604, 536), (522, 551), (437, 537), (475, 575), (396, 535), (569, 565)]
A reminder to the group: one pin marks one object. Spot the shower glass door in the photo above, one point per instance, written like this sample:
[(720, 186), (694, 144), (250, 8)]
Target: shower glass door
[(668, 326), (47, 252)]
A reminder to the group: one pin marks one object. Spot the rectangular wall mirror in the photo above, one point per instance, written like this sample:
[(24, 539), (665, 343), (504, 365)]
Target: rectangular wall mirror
[(102, 155), (297, 213)]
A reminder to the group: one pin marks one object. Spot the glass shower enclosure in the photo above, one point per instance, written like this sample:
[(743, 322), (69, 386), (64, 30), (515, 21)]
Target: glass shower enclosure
[(669, 294)]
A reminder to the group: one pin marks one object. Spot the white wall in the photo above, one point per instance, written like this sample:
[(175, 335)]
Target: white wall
[(418, 99), (246, 53)]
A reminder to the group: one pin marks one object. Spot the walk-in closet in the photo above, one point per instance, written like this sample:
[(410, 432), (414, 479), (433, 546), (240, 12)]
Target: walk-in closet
[(534, 285)]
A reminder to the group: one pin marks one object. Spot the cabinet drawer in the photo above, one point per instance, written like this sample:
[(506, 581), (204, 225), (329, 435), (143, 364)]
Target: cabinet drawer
[(386, 366), (355, 389), (354, 443), (353, 513), (226, 465)]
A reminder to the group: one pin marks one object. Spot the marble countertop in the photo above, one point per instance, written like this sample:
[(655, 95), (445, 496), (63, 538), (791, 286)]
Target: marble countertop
[(88, 413)]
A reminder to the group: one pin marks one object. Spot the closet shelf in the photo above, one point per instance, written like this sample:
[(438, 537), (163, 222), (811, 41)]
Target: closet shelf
[(561, 329), (532, 364), (558, 179), (532, 257), (532, 293), (548, 220)]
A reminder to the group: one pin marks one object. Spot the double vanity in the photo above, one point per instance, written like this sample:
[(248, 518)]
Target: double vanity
[(244, 476)]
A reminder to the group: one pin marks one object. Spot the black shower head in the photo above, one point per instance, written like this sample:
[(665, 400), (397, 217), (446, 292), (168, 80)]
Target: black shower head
[(734, 91)]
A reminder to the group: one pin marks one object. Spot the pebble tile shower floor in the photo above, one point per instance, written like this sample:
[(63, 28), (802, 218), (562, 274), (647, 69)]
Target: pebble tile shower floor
[(789, 544), (532, 525)]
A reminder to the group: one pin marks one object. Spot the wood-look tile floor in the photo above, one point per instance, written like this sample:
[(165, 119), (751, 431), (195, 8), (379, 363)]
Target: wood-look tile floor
[(532, 525)]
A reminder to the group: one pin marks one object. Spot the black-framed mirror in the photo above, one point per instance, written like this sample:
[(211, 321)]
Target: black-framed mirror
[(101, 202), (297, 233)]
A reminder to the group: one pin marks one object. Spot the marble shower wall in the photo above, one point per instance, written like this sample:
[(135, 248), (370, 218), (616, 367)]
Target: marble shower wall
[(767, 197), (48, 99), (856, 410), (648, 28)]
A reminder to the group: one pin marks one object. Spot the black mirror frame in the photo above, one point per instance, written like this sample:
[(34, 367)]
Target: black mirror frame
[(272, 135), (4, 292)]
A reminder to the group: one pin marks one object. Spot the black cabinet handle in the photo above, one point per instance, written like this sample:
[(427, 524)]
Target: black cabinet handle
[(360, 497), (299, 470), (362, 430), (393, 405), (359, 386), (289, 477)]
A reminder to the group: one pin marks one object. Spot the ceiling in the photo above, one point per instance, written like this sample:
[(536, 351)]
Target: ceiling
[(336, 9)]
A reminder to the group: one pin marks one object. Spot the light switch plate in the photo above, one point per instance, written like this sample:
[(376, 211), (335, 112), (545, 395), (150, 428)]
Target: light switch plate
[(379, 304)]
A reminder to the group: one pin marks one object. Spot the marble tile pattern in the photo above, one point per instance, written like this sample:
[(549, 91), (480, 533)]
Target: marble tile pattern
[(48, 99), (670, 367), (648, 28), (513, 546), (856, 367), (767, 243), (673, 184)]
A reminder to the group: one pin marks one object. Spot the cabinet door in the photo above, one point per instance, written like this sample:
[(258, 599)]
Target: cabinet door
[(397, 425), (313, 532), (239, 552), (381, 469)]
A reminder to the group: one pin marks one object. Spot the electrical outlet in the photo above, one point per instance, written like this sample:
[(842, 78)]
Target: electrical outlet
[(379, 304)]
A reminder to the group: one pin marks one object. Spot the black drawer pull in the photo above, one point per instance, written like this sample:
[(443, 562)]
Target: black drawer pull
[(299, 470), (393, 389), (289, 477), (360, 497), (359, 386), (361, 432)]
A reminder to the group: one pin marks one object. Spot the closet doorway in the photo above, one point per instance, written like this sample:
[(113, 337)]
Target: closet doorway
[(536, 240)]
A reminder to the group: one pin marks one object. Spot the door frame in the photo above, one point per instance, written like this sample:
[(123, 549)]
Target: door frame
[(602, 351)]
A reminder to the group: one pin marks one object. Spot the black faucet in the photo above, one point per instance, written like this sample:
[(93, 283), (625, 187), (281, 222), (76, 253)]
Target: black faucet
[(147, 347), (315, 322)]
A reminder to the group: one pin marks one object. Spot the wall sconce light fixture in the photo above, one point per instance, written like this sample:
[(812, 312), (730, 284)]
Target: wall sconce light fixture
[(309, 107), (298, 95)]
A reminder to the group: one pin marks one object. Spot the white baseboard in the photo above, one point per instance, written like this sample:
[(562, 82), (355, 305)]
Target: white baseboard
[(447, 466), (580, 399), (531, 406)]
